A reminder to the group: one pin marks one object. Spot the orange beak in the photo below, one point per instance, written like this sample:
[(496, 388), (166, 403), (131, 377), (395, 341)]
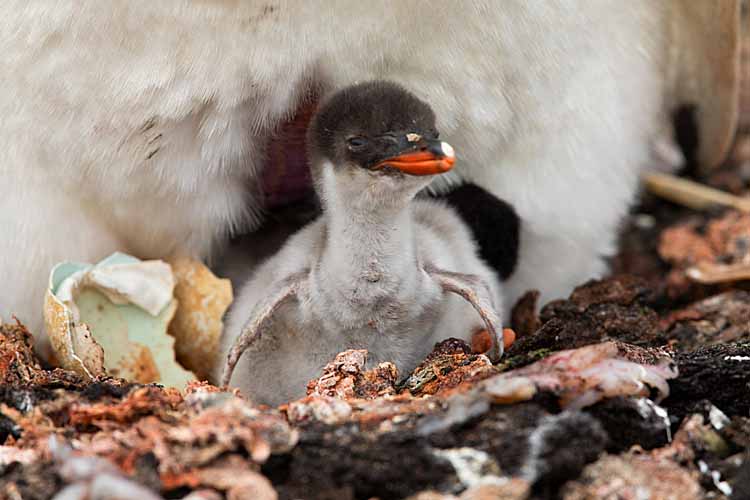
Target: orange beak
[(423, 162)]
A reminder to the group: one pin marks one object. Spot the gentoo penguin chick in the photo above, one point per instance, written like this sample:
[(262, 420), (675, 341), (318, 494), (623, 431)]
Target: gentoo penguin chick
[(379, 270)]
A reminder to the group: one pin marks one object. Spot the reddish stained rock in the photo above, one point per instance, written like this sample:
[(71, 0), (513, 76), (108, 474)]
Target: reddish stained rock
[(380, 381), (147, 434), (13, 454), (581, 377), (346, 392), (508, 489), (725, 238), (729, 236), (346, 378), (326, 409), (682, 245), (678, 285), (19, 367), (232, 475), (631, 476), (185, 443), (714, 250), (23, 382), (203, 387), (450, 364), (719, 319), (382, 414), (340, 375), (17, 362), (149, 400)]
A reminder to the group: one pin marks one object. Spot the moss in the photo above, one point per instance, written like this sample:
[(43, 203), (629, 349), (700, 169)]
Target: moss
[(524, 359)]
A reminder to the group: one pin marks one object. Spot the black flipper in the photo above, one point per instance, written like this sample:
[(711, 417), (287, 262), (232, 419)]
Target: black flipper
[(494, 223)]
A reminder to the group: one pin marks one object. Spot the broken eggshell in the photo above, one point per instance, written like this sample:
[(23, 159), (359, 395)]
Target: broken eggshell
[(197, 326), (111, 319)]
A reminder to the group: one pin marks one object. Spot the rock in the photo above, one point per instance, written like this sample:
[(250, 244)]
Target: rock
[(718, 373), (508, 489), (559, 449), (701, 449), (706, 251), (682, 245), (93, 478), (450, 364), (153, 436), (34, 481), (326, 409), (722, 318), (386, 465), (612, 309), (741, 484), (633, 476), (581, 377), (346, 378), (631, 421), (18, 365)]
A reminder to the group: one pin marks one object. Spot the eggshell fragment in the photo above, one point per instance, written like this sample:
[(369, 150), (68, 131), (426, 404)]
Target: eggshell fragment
[(197, 325), (72, 344), (112, 318)]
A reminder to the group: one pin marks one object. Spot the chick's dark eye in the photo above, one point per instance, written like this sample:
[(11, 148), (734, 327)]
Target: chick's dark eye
[(356, 143)]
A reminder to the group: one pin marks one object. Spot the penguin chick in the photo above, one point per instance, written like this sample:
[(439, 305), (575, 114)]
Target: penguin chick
[(379, 270)]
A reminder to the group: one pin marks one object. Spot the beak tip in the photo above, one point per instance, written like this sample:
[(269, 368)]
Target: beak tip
[(447, 150)]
